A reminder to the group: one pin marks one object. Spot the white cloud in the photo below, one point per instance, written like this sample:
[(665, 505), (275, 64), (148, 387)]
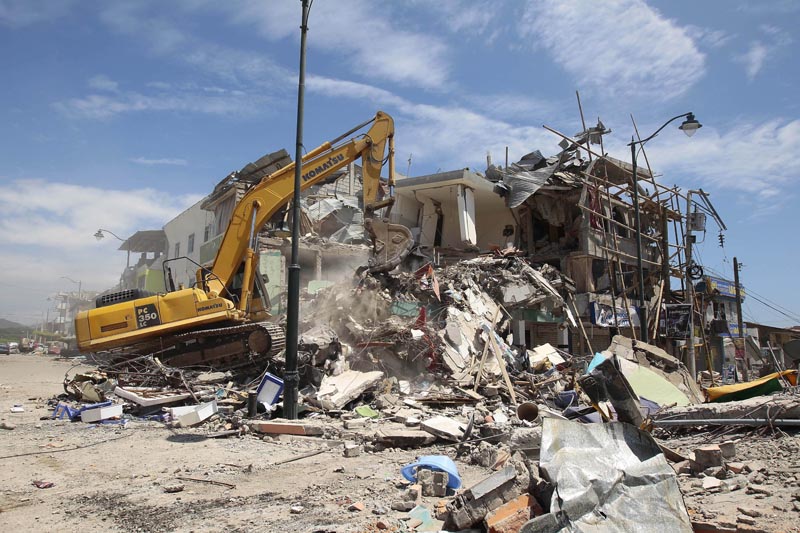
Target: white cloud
[(363, 34), (62, 216), (468, 18), (21, 13), (46, 231), (447, 136), (708, 36), (754, 58), (761, 51), (619, 47), (101, 82), (166, 39), (163, 161), (215, 101), (756, 158)]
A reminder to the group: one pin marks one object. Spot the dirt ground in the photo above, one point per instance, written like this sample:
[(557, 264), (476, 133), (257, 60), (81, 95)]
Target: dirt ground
[(114, 478), (110, 478)]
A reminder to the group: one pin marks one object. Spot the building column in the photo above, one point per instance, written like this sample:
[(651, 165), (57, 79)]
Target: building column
[(519, 333), (318, 266), (466, 214)]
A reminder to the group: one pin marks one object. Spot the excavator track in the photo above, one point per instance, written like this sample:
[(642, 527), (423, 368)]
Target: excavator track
[(228, 347), (224, 348)]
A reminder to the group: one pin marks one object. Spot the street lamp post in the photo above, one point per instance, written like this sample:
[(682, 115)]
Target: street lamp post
[(123, 279), (99, 236), (290, 375), (66, 302), (79, 283), (689, 127)]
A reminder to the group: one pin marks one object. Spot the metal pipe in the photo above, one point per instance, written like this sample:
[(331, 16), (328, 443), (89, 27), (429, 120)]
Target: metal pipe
[(689, 292), (290, 376), (755, 422), (639, 268), (740, 320)]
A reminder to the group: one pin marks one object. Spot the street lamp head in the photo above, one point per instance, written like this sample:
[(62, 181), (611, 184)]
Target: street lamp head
[(690, 125), (99, 235)]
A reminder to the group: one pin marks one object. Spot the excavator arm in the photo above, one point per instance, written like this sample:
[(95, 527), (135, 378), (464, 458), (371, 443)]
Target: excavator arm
[(391, 243)]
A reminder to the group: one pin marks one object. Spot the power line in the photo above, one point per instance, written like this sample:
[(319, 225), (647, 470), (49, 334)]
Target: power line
[(750, 292), (793, 318)]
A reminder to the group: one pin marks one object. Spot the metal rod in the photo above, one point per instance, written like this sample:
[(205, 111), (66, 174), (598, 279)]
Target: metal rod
[(639, 268), (727, 422), (740, 319), (290, 376), (689, 291)]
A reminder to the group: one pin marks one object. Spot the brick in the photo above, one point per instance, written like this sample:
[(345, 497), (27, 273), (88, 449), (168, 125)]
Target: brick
[(737, 468), (511, 516)]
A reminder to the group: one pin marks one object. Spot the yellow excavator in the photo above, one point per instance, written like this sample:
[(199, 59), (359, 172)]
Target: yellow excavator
[(222, 320)]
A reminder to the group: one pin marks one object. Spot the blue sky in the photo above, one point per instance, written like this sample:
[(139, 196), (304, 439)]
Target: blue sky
[(121, 114)]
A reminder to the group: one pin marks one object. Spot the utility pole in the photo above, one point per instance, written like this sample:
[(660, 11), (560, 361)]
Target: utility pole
[(290, 375), (736, 267), (689, 293)]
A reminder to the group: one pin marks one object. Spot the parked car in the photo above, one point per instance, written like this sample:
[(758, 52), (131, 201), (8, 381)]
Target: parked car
[(4, 349), (13, 347)]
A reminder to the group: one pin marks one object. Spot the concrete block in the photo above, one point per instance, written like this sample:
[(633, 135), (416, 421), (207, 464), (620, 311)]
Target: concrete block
[(433, 483), (404, 415), (352, 450), (708, 456), (728, 450), (444, 427), (355, 423)]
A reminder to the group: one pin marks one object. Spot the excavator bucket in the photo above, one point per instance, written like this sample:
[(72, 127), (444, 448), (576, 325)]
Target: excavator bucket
[(391, 243)]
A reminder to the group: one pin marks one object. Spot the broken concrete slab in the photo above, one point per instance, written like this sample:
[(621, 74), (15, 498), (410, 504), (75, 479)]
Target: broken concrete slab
[(276, 427), (444, 427), (150, 396), (335, 392), (754, 408), (401, 437)]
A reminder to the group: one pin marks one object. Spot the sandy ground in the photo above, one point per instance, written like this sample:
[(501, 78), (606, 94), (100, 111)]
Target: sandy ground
[(108, 478), (112, 478)]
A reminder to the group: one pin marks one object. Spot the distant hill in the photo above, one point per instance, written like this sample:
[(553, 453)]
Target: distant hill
[(7, 324)]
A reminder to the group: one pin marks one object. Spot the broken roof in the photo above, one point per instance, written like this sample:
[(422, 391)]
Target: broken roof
[(146, 241)]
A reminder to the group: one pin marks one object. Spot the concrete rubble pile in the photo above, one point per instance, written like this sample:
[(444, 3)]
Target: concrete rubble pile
[(424, 360)]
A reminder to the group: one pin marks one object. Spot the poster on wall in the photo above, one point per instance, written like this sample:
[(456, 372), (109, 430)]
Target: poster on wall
[(676, 321), (605, 316)]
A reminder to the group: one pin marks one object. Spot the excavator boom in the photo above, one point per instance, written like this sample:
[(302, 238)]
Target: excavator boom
[(219, 321)]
